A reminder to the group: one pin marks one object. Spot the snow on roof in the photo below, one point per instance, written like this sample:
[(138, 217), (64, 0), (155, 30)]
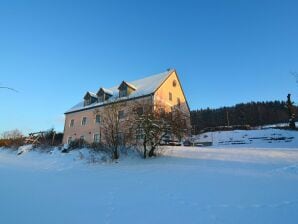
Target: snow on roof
[(110, 92), (91, 94), (128, 84), (143, 87)]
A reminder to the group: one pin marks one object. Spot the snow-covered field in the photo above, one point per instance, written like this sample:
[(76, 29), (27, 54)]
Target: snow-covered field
[(264, 138), (243, 183)]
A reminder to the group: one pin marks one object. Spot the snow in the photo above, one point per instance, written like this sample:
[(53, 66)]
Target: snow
[(247, 183), (265, 138), (107, 91), (24, 149), (91, 94)]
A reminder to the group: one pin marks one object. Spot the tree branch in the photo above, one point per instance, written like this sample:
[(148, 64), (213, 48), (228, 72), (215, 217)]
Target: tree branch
[(5, 87)]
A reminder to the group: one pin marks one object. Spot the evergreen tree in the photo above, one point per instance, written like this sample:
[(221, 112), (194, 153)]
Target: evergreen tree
[(253, 114), (291, 112)]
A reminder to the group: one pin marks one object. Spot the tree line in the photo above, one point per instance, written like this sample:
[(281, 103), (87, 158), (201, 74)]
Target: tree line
[(253, 114)]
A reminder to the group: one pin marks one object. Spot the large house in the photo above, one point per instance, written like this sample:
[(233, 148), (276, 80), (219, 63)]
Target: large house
[(81, 121)]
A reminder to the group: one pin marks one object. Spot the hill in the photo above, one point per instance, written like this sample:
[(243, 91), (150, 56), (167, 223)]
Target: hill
[(253, 114)]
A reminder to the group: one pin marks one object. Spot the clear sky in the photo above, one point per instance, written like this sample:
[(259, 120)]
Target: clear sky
[(225, 52)]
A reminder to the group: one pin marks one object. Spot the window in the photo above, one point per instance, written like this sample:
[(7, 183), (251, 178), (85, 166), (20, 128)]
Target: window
[(174, 83), (139, 133), (84, 121), (120, 138), (170, 96), (140, 111), (69, 140), (178, 102), (120, 114), (96, 138), (82, 138), (71, 124), (101, 98), (123, 92), (97, 119), (87, 101)]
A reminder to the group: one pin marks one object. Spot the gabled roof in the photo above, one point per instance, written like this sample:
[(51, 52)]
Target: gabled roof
[(143, 87), (90, 94), (104, 90), (127, 84)]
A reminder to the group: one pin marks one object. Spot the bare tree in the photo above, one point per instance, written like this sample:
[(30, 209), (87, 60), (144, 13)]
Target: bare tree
[(13, 134), (153, 124), (114, 126)]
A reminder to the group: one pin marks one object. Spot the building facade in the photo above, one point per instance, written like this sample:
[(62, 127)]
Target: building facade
[(83, 121)]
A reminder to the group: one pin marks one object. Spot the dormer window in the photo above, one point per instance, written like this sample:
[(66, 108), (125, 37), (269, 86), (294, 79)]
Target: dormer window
[(87, 101), (101, 98), (89, 98), (104, 94), (123, 92), (125, 89)]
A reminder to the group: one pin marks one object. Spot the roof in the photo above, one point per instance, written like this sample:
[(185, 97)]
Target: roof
[(91, 94), (128, 84), (144, 87), (107, 91)]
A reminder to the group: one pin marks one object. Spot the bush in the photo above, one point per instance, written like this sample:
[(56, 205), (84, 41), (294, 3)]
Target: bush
[(98, 147), (12, 143), (48, 138), (78, 144)]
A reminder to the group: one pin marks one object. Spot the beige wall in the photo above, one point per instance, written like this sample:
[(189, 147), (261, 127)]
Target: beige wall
[(162, 94), (92, 127)]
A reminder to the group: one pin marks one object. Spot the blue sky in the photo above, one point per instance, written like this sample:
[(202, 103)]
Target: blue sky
[(225, 52)]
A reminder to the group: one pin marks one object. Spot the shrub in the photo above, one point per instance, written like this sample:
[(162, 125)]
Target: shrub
[(48, 138), (78, 144), (12, 143), (98, 147)]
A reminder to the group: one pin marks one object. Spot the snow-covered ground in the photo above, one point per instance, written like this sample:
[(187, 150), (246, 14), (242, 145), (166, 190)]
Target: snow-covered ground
[(238, 184), (264, 138)]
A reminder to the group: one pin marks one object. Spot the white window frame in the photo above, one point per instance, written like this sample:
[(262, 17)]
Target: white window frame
[(84, 124), (120, 118), (69, 140), (97, 133), (96, 119), (71, 125)]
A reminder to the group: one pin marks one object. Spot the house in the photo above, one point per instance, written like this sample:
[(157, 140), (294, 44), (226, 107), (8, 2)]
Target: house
[(81, 121)]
